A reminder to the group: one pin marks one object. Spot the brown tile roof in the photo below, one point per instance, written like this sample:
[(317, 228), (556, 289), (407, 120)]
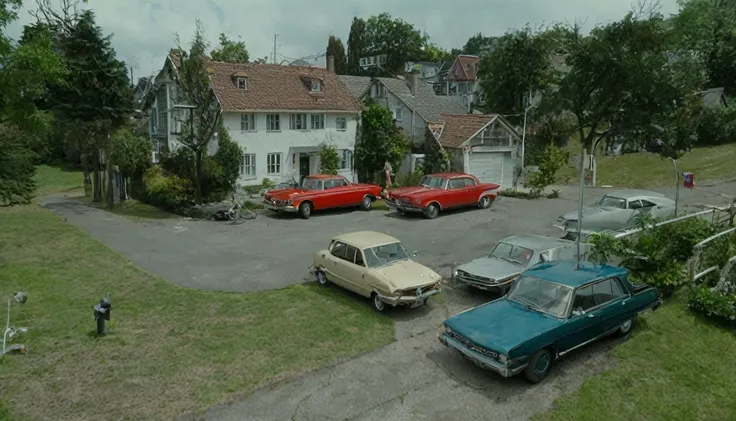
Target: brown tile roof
[(460, 127), (272, 87), (464, 69)]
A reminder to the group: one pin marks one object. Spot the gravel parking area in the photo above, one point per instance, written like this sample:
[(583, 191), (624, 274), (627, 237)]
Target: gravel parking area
[(415, 377)]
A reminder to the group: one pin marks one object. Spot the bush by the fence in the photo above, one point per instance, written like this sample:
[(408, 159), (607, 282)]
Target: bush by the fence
[(166, 191), (715, 304)]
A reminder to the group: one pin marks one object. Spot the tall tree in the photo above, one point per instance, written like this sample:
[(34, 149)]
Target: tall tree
[(479, 44), (25, 69), (380, 141), (230, 51), (97, 94), (707, 28), (518, 65), (336, 49), (620, 82), (201, 121), (400, 41), (356, 46)]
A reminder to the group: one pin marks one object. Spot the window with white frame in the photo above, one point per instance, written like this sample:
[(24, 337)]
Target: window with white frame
[(242, 83), (248, 165), (495, 135), (399, 114), (341, 123), (272, 122), (273, 164), (346, 159), (316, 85), (318, 121), (298, 122), (154, 120), (247, 122)]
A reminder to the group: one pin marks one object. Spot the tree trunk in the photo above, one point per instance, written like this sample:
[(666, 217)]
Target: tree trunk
[(96, 183), (198, 177), (110, 196)]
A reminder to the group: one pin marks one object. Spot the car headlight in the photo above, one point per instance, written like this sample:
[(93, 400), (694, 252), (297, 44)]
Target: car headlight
[(397, 294), (448, 330), (503, 359), (455, 273)]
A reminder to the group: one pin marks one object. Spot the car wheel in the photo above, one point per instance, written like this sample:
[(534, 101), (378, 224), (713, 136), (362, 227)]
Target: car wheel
[(305, 210), (321, 278), (432, 211), (401, 212), (377, 303), (625, 328), (367, 203), (485, 202), (539, 366)]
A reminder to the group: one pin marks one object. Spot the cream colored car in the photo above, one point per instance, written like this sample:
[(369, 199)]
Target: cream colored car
[(377, 266)]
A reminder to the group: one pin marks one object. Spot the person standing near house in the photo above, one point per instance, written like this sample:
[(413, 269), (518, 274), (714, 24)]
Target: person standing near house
[(389, 171)]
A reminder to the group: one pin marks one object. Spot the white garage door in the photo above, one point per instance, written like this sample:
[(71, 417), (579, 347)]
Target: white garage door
[(488, 167)]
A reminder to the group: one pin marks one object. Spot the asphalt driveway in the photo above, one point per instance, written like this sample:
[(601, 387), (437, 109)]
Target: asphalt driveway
[(413, 378)]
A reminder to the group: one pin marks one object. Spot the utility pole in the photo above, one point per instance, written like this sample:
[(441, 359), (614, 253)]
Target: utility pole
[(132, 82), (580, 206), (274, 48)]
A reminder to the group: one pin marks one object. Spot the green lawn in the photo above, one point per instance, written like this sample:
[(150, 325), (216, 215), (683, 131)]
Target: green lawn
[(646, 169), (170, 349), (677, 366), (55, 179)]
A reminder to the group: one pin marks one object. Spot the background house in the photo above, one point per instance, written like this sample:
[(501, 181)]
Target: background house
[(279, 115), (484, 145), (461, 80), (412, 103)]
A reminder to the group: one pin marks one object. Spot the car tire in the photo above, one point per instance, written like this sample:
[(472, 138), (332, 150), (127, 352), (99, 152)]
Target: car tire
[(321, 278), (432, 211), (485, 202), (366, 204), (539, 366), (625, 328), (377, 303), (305, 210)]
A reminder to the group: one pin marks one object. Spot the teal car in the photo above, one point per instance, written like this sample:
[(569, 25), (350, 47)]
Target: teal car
[(550, 310)]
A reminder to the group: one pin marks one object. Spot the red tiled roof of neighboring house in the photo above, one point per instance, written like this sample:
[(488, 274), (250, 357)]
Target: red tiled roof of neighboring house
[(272, 87), (464, 68), (458, 128)]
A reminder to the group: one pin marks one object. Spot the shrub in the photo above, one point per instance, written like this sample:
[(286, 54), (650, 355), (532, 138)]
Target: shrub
[(717, 126), (329, 160), (552, 160), (714, 304), (167, 191)]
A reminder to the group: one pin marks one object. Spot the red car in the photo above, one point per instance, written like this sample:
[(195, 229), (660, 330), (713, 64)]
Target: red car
[(438, 192), (322, 192)]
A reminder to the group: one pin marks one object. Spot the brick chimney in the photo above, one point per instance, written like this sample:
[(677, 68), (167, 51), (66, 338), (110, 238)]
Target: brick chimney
[(411, 81), (331, 64)]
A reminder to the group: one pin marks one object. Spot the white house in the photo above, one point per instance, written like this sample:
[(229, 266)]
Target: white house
[(484, 145), (279, 115)]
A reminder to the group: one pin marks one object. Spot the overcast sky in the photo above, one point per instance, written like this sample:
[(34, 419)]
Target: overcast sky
[(144, 30)]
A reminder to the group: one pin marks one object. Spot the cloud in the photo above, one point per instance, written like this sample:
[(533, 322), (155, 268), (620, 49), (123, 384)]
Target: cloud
[(144, 30)]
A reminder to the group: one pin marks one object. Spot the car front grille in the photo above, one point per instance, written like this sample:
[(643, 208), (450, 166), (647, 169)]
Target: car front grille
[(405, 202), (472, 347), (412, 292), (473, 278)]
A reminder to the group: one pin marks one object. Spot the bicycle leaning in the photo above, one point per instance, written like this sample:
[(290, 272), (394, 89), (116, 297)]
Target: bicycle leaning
[(237, 214)]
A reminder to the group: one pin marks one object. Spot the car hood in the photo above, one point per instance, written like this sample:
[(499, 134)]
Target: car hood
[(493, 268), (413, 192), (589, 211), (285, 194), (501, 325), (406, 274)]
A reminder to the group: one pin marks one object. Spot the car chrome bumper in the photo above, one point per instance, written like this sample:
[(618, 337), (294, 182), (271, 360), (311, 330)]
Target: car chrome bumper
[(282, 208), (408, 299), (483, 285), (393, 205), (481, 361)]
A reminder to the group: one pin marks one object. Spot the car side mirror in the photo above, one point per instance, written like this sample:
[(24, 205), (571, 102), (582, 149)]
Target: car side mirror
[(414, 253)]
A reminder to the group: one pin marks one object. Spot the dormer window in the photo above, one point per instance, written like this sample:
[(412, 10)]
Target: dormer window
[(316, 85), (242, 83)]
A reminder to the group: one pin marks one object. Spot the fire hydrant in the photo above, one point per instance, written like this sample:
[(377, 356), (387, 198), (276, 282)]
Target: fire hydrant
[(102, 313)]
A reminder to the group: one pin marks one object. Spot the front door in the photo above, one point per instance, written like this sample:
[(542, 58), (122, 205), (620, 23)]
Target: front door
[(583, 324), (303, 166)]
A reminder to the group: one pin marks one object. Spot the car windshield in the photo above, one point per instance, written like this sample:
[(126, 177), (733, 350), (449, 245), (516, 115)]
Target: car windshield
[(612, 202), (540, 295), (435, 182), (513, 253), (312, 184), (384, 255)]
